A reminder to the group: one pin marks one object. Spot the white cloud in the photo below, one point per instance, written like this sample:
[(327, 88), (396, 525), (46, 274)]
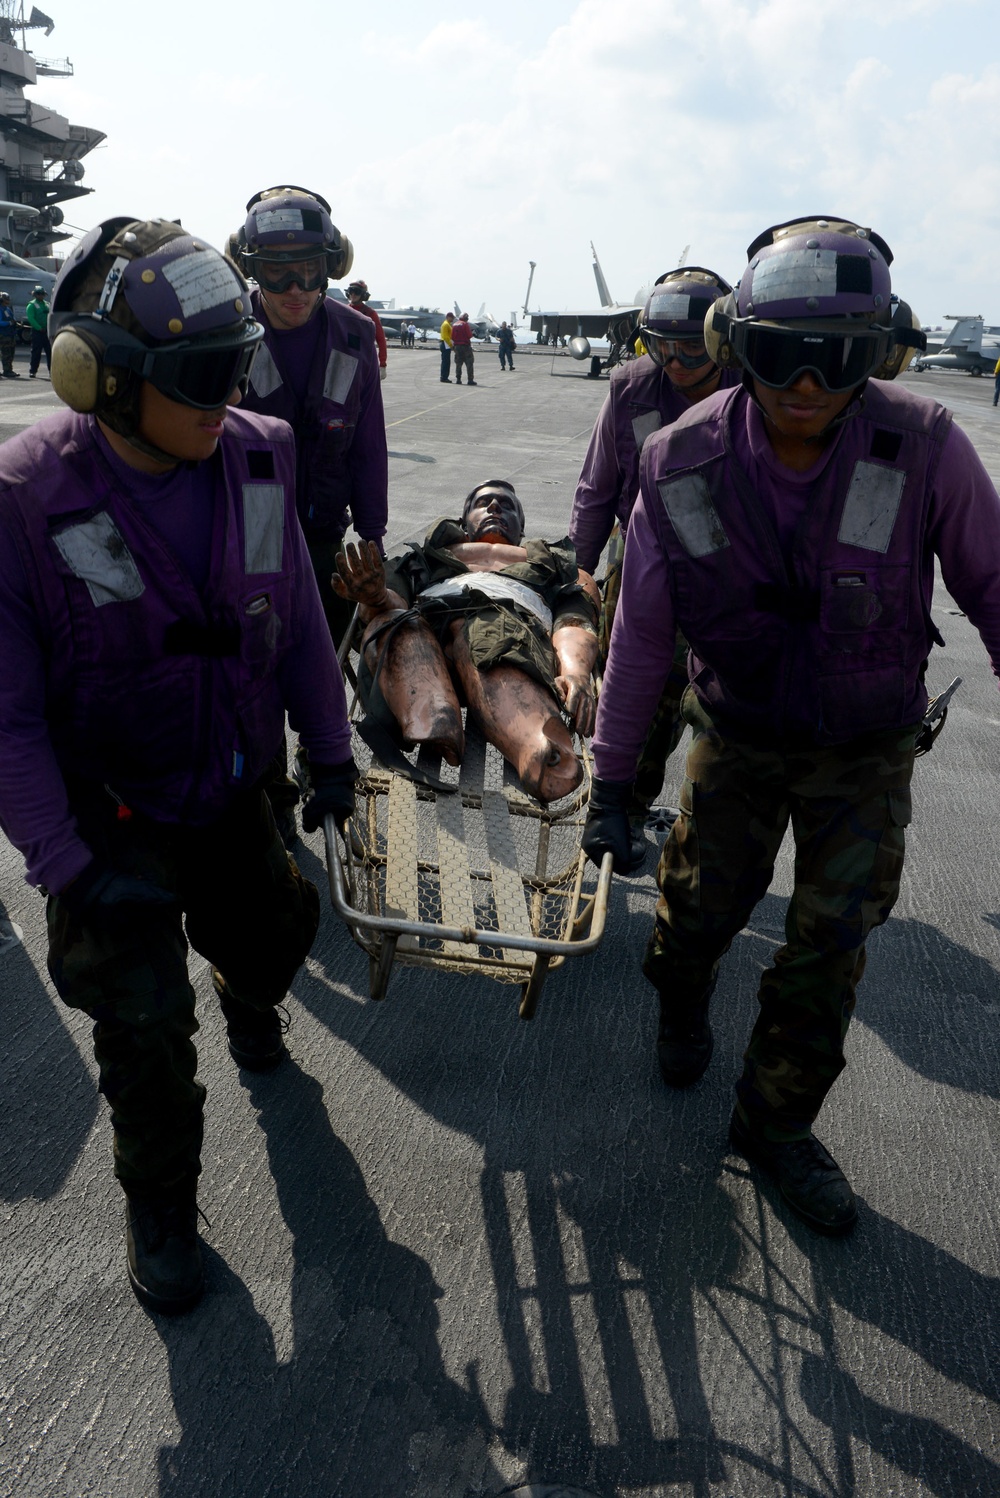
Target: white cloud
[(453, 151)]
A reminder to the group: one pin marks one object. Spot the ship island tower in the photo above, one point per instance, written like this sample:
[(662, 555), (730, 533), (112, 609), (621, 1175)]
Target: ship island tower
[(41, 153)]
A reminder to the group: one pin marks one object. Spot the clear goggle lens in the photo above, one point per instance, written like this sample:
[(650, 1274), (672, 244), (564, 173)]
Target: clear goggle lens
[(281, 275), (689, 353)]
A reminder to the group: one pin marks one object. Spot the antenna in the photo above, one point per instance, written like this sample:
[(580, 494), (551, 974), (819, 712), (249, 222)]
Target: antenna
[(527, 294), (684, 255)]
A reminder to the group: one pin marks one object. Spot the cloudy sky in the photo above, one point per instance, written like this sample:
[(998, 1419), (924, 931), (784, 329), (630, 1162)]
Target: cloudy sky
[(456, 140)]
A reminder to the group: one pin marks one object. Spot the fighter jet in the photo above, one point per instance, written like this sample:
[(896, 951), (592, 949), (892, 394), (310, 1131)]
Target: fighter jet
[(484, 325), (19, 278), (972, 345), (394, 318), (615, 321)]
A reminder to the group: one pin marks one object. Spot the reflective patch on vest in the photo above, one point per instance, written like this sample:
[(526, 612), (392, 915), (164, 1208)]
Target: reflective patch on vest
[(95, 552), (871, 506), (692, 514), (340, 371), (645, 425), (795, 273), (264, 376), (263, 527)]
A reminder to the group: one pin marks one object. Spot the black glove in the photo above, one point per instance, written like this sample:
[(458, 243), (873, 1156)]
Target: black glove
[(105, 893), (332, 794), (607, 827)]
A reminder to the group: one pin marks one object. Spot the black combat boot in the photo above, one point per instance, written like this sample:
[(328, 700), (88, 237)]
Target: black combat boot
[(684, 1043), (256, 1036), (162, 1247), (808, 1176)]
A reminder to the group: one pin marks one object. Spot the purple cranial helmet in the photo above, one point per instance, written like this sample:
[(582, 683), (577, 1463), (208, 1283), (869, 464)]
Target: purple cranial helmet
[(673, 319), (288, 226), (816, 296), (146, 301), (815, 267)]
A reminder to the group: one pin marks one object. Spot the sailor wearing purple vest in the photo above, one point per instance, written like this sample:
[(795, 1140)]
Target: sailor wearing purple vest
[(157, 596), (789, 529), (646, 394), (318, 370)]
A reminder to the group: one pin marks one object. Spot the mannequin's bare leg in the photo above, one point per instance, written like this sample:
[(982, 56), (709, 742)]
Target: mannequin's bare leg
[(415, 683), (521, 718)]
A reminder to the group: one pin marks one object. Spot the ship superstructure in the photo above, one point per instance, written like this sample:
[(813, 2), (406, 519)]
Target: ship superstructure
[(41, 152)]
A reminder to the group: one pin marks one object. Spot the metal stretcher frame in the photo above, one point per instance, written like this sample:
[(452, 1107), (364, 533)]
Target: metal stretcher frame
[(408, 853)]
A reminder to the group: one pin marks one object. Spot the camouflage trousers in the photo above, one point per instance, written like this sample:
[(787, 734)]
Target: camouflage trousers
[(848, 807), (241, 903), (667, 727)]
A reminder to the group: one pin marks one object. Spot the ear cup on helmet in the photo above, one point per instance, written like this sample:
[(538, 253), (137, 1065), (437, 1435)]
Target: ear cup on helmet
[(339, 262), (76, 369), (718, 320)]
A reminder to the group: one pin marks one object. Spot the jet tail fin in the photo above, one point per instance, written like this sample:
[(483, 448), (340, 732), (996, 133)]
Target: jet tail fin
[(602, 285)]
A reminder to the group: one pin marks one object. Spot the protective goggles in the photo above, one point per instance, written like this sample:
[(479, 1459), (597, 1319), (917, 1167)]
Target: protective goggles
[(281, 275), (690, 353), (202, 374), (840, 359)]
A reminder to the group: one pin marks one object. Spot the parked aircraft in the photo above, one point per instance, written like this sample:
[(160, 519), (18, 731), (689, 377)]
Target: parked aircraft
[(615, 321), (393, 318), (19, 278), (972, 345), (484, 325)]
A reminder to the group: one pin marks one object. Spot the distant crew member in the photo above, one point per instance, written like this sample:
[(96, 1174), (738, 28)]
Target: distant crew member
[(37, 316), (461, 337), (789, 527), (650, 392), (996, 382), (506, 344), (357, 295), (8, 337), (446, 346)]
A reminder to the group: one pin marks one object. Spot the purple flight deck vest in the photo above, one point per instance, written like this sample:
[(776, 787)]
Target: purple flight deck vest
[(833, 643), (168, 695), (324, 424), (640, 401)]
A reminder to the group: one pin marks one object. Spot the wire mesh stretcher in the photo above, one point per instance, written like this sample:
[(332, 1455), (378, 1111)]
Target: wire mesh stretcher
[(482, 880)]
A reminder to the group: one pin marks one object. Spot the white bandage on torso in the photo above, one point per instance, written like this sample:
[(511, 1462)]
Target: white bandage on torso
[(495, 585)]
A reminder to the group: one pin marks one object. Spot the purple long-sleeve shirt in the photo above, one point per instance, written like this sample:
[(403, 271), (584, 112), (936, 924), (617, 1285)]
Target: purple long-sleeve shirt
[(963, 532), (34, 806)]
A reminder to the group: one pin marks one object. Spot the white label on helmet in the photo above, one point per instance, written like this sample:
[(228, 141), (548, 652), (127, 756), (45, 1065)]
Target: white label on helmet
[(793, 274), (644, 425), (278, 220), (264, 376), (95, 552), (871, 506), (263, 527), (340, 371), (202, 281), (693, 516), (112, 284), (672, 305)]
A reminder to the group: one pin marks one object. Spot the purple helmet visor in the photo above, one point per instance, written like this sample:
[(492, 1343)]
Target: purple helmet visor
[(839, 355), (202, 374)]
